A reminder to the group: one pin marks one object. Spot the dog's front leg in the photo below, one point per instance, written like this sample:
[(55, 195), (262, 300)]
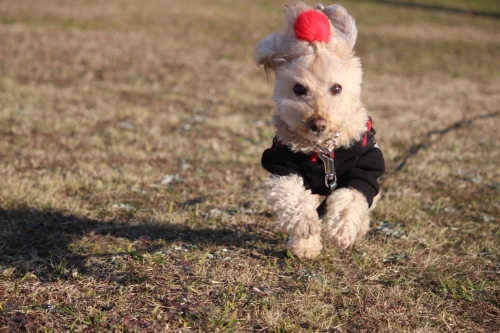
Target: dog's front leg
[(295, 208), (347, 217)]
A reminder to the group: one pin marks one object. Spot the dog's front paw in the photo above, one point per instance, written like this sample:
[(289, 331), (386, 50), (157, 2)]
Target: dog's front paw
[(293, 205), (347, 217), (305, 248)]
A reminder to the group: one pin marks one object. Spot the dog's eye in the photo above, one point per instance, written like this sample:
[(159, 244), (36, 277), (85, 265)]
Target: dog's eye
[(299, 89), (336, 89)]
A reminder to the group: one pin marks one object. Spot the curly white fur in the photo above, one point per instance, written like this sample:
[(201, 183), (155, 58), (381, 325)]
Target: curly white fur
[(305, 248), (347, 217), (294, 206), (317, 66)]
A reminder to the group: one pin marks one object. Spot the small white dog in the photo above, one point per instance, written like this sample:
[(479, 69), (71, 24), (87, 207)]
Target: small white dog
[(324, 140)]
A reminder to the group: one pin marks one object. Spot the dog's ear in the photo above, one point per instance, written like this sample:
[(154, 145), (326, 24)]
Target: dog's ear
[(278, 47), (344, 24), (266, 52)]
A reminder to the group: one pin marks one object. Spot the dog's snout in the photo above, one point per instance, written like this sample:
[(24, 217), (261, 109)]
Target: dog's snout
[(318, 125)]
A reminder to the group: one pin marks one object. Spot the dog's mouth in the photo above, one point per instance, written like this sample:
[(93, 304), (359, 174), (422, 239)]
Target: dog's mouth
[(317, 134), (318, 129), (309, 133), (315, 137), (318, 137)]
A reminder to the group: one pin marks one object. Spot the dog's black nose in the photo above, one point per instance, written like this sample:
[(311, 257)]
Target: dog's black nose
[(318, 125)]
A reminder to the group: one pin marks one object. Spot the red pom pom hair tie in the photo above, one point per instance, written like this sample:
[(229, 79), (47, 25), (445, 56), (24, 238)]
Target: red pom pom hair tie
[(311, 26)]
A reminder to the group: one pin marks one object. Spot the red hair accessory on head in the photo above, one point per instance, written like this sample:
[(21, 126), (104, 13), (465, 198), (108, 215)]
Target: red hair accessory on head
[(312, 25)]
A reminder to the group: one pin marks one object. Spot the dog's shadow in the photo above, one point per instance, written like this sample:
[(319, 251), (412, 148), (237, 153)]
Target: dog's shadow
[(46, 239)]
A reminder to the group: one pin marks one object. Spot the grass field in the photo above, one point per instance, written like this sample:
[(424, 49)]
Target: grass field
[(130, 179)]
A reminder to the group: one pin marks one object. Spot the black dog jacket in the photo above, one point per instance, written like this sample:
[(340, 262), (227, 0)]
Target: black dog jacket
[(357, 167)]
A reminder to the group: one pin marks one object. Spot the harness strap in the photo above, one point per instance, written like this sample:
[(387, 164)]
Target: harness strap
[(321, 210), (332, 183)]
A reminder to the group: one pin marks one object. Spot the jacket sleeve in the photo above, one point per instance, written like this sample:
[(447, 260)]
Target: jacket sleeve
[(273, 163), (364, 176)]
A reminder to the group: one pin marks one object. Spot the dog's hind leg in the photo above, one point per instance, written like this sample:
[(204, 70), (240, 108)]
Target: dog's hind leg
[(295, 208)]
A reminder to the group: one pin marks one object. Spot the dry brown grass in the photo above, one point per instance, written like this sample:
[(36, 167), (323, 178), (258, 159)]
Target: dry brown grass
[(99, 101)]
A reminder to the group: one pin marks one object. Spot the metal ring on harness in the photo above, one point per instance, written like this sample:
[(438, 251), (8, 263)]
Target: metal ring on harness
[(330, 175)]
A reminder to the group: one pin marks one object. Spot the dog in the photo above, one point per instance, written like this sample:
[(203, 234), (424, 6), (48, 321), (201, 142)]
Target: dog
[(324, 143)]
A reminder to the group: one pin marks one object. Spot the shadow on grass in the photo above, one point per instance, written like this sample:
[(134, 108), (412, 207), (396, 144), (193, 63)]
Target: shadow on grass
[(470, 12), (30, 238)]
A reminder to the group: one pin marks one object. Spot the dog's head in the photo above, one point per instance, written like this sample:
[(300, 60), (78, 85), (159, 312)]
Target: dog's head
[(318, 78)]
